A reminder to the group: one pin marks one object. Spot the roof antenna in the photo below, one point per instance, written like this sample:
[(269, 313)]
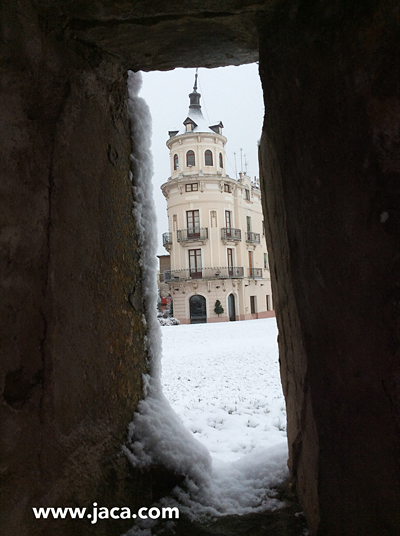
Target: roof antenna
[(234, 155)]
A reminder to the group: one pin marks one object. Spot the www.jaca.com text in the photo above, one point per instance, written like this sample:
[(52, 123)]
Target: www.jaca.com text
[(102, 512)]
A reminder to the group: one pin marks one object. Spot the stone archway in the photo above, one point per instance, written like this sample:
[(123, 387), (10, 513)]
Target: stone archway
[(71, 272)]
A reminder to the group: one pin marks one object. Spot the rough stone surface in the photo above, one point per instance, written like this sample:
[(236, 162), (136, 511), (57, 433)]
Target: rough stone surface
[(330, 166), (72, 344), (162, 34)]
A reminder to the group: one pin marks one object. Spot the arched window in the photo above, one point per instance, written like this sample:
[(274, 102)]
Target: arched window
[(176, 162), (208, 158), (198, 309), (190, 159), (221, 162)]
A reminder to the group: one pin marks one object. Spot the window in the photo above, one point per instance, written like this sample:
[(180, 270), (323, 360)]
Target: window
[(227, 188), (190, 159), (228, 220), (266, 263), (251, 262), (176, 162), (193, 223), (268, 299), (195, 263), (208, 158), (229, 252), (253, 304), (192, 187), (247, 194), (221, 162), (248, 223)]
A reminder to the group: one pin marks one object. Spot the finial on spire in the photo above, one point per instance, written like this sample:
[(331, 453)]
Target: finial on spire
[(194, 96)]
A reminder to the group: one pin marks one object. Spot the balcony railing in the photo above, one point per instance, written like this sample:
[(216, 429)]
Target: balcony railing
[(227, 272), (253, 238), (229, 233), (193, 233), (255, 272), (166, 239)]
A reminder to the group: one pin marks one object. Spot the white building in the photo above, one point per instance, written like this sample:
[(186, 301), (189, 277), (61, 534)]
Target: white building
[(215, 239)]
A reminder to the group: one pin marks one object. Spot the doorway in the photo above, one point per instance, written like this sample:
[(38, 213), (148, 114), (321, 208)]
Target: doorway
[(198, 311), (231, 308)]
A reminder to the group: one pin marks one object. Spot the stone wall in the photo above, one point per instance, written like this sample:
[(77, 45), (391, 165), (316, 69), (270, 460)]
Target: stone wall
[(72, 354), (330, 166)]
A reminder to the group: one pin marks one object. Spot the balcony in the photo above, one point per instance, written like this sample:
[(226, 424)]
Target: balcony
[(227, 272), (229, 234), (255, 273), (167, 239), (193, 234), (253, 238)]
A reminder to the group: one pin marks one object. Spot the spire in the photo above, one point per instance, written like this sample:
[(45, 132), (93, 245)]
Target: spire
[(195, 97), (195, 79)]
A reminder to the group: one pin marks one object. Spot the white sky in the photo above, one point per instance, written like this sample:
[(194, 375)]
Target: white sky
[(232, 95)]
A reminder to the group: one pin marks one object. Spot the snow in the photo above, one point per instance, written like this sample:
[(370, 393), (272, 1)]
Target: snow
[(198, 118), (222, 424), (223, 381), (156, 435)]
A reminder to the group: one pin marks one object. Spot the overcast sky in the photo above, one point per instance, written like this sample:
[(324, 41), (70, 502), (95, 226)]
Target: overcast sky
[(229, 94)]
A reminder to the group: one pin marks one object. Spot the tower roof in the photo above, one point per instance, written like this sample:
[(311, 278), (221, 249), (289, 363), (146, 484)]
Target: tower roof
[(195, 116), (195, 97)]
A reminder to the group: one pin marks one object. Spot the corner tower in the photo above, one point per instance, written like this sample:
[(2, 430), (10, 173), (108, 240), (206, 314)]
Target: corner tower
[(198, 148), (217, 249)]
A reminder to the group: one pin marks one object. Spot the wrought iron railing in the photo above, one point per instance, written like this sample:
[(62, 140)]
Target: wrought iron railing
[(254, 238), (226, 272), (229, 233), (193, 233), (166, 239), (255, 272)]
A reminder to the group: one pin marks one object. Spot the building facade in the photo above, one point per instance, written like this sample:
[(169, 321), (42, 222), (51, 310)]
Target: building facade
[(215, 239)]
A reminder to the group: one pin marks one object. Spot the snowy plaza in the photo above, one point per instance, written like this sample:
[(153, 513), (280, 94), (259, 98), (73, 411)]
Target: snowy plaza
[(223, 381)]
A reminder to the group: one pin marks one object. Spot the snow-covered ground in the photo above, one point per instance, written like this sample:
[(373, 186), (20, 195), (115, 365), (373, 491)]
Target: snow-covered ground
[(223, 380)]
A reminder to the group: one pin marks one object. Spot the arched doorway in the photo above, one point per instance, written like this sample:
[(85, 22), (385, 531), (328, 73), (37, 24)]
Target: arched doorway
[(198, 311), (231, 307)]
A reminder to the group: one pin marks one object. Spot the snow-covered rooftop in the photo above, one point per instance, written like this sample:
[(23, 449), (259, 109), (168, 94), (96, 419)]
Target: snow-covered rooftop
[(196, 116)]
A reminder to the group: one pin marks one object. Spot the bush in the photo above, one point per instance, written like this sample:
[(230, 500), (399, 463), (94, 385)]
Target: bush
[(169, 321), (218, 309)]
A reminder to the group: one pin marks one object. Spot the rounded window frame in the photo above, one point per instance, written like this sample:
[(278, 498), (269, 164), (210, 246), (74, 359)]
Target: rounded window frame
[(192, 155), (208, 157)]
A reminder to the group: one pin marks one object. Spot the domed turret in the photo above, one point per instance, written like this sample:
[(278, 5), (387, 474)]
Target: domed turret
[(199, 148)]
